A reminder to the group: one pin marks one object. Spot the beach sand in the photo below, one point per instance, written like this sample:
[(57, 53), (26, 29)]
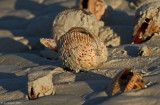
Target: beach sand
[(24, 22)]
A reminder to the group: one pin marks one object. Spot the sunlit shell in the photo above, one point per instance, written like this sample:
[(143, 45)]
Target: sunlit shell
[(97, 7), (124, 81), (136, 82), (119, 82), (147, 21), (79, 49), (145, 51)]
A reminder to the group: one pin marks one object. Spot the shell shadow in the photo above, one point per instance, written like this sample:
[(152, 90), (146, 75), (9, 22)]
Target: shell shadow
[(97, 82), (132, 51)]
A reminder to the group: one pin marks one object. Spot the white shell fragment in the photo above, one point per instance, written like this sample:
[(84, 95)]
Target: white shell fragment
[(147, 21), (109, 37), (40, 83), (145, 51), (79, 49), (75, 18)]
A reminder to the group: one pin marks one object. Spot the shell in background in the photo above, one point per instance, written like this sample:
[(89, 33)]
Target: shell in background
[(138, 2), (147, 21), (145, 51), (79, 49), (80, 18), (75, 18), (97, 7), (125, 81)]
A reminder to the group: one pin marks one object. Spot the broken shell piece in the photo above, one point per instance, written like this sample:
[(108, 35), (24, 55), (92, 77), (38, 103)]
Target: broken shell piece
[(124, 81), (79, 49), (109, 37), (40, 84), (147, 21), (145, 51), (75, 18), (97, 7)]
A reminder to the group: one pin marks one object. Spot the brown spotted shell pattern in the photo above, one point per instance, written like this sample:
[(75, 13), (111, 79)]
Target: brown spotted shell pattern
[(147, 21), (80, 49)]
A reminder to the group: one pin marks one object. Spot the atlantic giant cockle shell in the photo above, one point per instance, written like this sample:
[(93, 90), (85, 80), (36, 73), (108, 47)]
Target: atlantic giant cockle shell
[(147, 21), (125, 81), (78, 49)]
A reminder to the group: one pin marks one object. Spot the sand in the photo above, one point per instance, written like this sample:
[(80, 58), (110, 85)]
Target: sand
[(24, 22)]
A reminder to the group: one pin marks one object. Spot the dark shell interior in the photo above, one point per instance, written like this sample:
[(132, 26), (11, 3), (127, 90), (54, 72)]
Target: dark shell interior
[(120, 81), (84, 4), (139, 36)]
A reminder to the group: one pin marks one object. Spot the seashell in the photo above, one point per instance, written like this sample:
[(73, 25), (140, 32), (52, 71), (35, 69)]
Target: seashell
[(97, 7), (40, 84), (145, 51), (136, 82), (124, 81), (75, 17), (78, 49), (85, 20), (147, 21)]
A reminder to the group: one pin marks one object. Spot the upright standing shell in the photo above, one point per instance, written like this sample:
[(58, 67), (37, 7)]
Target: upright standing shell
[(136, 82), (97, 7), (119, 82), (147, 21), (79, 49), (124, 81)]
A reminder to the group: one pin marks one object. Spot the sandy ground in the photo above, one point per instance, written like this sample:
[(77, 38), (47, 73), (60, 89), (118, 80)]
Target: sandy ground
[(24, 22)]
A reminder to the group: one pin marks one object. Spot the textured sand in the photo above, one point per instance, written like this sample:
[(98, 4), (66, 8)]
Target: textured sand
[(24, 22)]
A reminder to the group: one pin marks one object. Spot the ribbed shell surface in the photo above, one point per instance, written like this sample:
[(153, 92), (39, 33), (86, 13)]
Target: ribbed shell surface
[(125, 81), (119, 82), (136, 82), (78, 51)]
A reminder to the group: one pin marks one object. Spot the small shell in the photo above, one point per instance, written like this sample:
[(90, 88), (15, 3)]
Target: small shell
[(119, 82), (145, 51), (97, 7), (79, 49), (147, 21), (124, 81), (136, 82)]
